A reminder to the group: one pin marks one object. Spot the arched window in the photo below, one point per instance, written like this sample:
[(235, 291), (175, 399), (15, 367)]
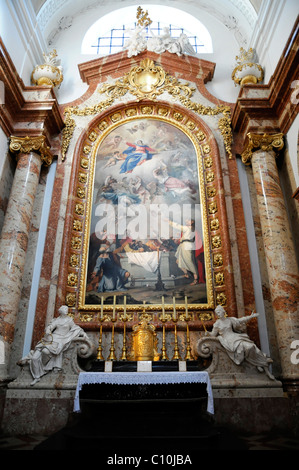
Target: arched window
[(108, 34)]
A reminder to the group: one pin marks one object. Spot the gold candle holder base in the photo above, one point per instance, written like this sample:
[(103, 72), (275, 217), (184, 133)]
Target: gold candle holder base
[(188, 356), (164, 318), (124, 318), (112, 356), (100, 349), (176, 355)]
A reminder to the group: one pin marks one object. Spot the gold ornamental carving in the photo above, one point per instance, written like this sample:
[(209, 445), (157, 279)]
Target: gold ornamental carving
[(264, 142), (32, 144), (148, 81)]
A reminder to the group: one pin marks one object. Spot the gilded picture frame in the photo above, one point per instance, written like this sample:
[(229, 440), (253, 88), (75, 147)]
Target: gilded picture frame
[(167, 285)]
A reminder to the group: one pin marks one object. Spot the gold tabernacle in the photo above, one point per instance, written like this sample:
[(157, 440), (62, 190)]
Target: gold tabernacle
[(144, 342)]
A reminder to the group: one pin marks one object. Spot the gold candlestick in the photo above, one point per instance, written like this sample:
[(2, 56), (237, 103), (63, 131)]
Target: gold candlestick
[(187, 318), (188, 356), (176, 355), (113, 314), (101, 319), (164, 318), (124, 318), (100, 350), (112, 356), (124, 348)]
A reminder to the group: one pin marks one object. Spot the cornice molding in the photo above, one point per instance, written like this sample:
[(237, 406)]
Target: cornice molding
[(186, 67), (271, 107), (26, 110)]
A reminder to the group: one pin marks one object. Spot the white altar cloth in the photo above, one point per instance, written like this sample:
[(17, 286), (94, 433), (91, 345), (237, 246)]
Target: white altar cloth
[(144, 378)]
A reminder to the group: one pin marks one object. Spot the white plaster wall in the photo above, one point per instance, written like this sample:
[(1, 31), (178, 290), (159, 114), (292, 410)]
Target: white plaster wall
[(67, 40), (21, 37), (275, 23), (292, 138)]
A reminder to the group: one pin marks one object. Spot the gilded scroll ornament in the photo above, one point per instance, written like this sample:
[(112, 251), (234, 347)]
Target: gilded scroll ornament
[(264, 142), (32, 144), (142, 17), (148, 81), (70, 123)]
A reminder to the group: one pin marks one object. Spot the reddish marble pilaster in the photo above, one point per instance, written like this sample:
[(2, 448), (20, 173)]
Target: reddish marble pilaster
[(280, 257), (31, 152)]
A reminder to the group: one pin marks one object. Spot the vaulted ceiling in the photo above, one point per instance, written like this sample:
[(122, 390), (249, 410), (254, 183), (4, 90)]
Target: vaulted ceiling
[(234, 14)]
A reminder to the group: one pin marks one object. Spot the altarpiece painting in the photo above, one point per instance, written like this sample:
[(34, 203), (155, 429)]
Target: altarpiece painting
[(146, 229)]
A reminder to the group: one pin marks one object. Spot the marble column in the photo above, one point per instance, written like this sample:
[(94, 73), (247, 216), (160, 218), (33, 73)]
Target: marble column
[(31, 153), (261, 152)]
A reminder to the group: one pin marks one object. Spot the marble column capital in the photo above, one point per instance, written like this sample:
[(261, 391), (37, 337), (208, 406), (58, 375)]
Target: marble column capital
[(263, 142), (35, 144)]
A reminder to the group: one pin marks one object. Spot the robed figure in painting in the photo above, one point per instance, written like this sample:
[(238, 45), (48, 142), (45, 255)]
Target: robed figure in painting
[(136, 154)]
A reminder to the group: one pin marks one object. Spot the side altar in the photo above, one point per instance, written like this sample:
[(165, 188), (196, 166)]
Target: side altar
[(67, 364), (146, 302)]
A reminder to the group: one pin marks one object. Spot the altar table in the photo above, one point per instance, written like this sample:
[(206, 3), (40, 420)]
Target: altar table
[(144, 378)]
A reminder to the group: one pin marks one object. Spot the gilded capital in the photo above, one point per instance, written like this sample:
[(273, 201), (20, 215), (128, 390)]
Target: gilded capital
[(32, 144), (264, 142)]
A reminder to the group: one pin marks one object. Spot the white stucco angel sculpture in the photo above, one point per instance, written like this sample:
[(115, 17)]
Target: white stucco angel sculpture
[(136, 42), (238, 345), (48, 352), (157, 43)]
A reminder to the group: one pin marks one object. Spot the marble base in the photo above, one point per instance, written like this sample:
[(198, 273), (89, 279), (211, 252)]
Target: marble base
[(37, 411), (45, 412)]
